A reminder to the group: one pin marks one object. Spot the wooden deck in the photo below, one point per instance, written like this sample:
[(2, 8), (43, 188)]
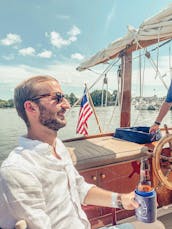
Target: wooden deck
[(105, 150)]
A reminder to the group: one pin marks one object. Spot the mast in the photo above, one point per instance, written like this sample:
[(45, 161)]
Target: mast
[(126, 90)]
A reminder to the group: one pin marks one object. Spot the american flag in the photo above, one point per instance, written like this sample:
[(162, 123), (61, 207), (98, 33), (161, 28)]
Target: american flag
[(84, 113)]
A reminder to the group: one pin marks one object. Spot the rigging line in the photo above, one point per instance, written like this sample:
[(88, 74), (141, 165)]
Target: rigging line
[(115, 107), (98, 73), (154, 49), (103, 73), (138, 45), (143, 74), (117, 96), (93, 108), (142, 85), (105, 84), (157, 70), (100, 76), (141, 89), (166, 42), (106, 92), (140, 74), (147, 54)]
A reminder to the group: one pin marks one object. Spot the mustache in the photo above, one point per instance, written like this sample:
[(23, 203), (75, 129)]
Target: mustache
[(62, 110)]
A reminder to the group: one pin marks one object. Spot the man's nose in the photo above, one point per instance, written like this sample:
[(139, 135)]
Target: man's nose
[(65, 103)]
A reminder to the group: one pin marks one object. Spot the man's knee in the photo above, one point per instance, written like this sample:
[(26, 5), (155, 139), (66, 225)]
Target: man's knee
[(156, 225)]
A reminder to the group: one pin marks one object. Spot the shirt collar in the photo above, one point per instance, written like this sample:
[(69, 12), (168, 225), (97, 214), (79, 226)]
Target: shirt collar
[(35, 145), (41, 147)]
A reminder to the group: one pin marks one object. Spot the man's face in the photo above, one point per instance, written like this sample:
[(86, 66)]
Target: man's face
[(52, 119), (52, 109)]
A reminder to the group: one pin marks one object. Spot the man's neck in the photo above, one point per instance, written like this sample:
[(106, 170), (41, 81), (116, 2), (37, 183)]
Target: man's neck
[(42, 134)]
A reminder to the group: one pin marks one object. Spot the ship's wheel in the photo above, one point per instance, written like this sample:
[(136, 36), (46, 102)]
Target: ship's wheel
[(162, 161)]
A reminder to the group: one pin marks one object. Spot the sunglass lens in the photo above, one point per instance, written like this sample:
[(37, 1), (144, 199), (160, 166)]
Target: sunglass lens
[(59, 97)]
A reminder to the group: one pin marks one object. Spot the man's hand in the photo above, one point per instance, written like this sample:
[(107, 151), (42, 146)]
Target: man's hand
[(153, 128), (128, 201)]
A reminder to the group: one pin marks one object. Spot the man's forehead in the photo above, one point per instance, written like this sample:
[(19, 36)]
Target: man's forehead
[(49, 86)]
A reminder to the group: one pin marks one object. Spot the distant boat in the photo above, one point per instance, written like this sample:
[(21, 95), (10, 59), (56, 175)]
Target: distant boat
[(151, 108), (141, 106)]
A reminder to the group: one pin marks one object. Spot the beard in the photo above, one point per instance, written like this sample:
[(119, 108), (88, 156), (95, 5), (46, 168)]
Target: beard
[(50, 119)]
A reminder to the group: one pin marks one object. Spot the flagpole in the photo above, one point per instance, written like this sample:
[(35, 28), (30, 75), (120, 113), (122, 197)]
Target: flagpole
[(94, 111)]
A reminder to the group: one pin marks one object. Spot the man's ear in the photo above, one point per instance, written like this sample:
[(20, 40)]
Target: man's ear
[(30, 107)]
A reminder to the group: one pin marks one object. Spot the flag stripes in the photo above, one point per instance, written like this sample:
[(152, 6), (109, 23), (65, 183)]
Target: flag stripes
[(84, 114)]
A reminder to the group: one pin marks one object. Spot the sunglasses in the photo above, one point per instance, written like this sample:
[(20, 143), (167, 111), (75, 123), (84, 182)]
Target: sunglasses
[(56, 96)]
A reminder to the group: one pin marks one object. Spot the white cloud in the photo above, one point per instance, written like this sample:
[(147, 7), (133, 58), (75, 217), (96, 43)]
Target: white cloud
[(45, 54), (70, 78), (77, 56), (72, 39), (65, 73), (27, 51), (58, 41), (74, 31), (11, 39)]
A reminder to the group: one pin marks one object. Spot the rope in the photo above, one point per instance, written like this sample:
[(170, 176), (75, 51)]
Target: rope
[(105, 83), (104, 72), (158, 72), (140, 73), (157, 69), (115, 106), (95, 82), (142, 84), (93, 108)]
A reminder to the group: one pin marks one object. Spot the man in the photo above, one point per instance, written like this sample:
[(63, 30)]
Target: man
[(166, 105), (38, 181)]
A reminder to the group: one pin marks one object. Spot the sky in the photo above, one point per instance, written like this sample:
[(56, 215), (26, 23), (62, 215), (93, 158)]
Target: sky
[(52, 37)]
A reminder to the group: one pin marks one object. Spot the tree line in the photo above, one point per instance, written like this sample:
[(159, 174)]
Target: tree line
[(99, 98)]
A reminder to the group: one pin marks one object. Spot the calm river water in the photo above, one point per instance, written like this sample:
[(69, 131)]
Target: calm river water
[(11, 126)]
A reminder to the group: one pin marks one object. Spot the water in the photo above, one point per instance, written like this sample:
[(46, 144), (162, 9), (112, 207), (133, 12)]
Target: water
[(12, 126)]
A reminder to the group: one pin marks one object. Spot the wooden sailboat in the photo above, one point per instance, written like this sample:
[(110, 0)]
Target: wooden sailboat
[(112, 163)]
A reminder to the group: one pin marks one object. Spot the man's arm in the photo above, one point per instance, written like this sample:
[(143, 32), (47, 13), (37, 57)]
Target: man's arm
[(101, 197), (162, 112), (91, 194)]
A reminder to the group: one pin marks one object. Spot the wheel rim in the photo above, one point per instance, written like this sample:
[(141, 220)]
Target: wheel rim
[(163, 170)]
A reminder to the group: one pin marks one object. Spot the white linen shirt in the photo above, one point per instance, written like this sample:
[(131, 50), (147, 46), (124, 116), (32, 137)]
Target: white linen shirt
[(46, 191)]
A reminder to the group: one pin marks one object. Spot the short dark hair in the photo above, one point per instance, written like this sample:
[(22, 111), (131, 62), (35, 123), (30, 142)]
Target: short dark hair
[(26, 90)]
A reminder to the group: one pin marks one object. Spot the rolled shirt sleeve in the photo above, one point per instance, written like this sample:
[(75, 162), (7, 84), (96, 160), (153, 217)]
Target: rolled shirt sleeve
[(82, 186)]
